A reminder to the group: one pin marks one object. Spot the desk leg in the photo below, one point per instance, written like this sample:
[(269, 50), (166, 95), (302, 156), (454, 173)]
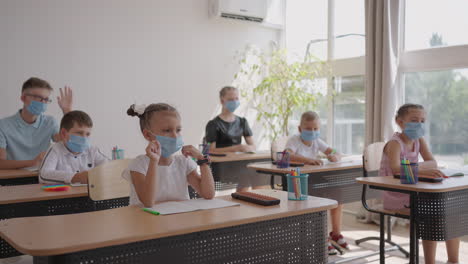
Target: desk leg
[(414, 243)]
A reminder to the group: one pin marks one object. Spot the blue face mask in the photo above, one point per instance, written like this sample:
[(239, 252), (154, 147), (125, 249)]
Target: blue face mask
[(77, 144), (170, 145), (36, 108), (310, 135), (232, 105), (414, 130)]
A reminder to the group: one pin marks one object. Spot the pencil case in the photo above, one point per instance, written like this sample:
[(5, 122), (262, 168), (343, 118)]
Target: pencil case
[(256, 198)]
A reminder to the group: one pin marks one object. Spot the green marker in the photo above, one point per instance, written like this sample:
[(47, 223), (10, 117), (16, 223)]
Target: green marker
[(151, 211)]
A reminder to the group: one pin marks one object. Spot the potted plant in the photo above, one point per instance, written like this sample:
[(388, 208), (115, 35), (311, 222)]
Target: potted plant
[(277, 87)]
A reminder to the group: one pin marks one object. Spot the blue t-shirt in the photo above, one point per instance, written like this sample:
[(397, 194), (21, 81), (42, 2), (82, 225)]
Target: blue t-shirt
[(24, 141)]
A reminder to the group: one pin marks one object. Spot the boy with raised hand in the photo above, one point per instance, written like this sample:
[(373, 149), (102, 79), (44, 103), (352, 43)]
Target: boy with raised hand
[(25, 136)]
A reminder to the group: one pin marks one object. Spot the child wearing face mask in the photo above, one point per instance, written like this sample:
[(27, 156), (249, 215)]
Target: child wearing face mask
[(225, 132), (160, 174), (304, 148), (408, 145), (26, 135), (69, 160)]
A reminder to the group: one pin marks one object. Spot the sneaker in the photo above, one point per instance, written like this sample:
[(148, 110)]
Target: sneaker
[(338, 241), (331, 249)]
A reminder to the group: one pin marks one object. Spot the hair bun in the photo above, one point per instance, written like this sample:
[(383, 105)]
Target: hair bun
[(131, 111)]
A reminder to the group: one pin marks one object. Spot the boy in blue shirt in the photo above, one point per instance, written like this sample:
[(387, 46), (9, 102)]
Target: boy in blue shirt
[(25, 136)]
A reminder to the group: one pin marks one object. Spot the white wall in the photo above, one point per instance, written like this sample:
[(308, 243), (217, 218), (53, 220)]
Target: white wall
[(117, 52)]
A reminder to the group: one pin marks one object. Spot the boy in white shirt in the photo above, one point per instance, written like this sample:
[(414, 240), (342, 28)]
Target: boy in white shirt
[(305, 148), (69, 160)]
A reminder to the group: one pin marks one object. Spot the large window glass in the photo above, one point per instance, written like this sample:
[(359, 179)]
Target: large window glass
[(349, 29), (341, 109), (349, 109), (444, 94), (306, 22), (423, 18)]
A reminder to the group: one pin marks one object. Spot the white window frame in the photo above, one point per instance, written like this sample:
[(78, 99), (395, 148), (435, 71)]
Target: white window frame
[(344, 67), (429, 59)]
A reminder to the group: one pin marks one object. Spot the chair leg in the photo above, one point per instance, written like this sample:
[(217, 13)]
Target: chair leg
[(382, 239), (389, 238), (272, 181)]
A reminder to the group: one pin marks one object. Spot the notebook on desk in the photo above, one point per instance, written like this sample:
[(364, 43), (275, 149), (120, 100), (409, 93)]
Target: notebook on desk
[(454, 172), (33, 169), (166, 208)]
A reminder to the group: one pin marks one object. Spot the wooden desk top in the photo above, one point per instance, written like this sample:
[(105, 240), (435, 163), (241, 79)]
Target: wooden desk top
[(60, 234), (447, 185), (12, 174), (349, 163), (236, 156), (33, 193)]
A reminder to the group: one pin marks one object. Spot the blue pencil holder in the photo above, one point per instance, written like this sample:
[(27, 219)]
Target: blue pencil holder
[(409, 173), (118, 154), (298, 187)]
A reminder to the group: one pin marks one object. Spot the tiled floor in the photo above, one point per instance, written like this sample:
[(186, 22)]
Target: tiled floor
[(352, 230)]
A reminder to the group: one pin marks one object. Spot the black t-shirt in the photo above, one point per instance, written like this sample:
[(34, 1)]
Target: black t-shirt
[(227, 134)]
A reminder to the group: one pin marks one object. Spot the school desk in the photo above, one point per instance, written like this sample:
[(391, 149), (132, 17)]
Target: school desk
[(31, 200), (228, 170), (335, 181), (291, 232), (438, 211), (18, 177)]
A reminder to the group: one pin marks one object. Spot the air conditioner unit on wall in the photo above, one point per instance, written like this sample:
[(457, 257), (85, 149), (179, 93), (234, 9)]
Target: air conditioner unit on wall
[(248, 10)]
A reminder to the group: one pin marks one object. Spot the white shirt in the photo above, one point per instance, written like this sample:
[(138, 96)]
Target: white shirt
[(60, 165), (172, 184), (296, 145)]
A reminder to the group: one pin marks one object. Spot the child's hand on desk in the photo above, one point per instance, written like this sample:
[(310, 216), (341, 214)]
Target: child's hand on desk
[(80, 177), (153, 150), (432, 173), (332, 158), (314, 162), (244, 148), (192, 151), (38, 159)]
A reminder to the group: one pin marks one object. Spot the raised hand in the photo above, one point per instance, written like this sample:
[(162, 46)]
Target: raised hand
[(153, 150), (65, 100), (192, 151)]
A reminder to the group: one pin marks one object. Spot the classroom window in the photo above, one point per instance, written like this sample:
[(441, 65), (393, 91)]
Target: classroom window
[(341, 42), (434, 67), (306, 21), (349, 111), (444, 95), (349, 28), (444, 18)]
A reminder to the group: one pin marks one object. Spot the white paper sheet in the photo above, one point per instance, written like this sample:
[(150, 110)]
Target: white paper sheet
[(35, 168), (190, 205), (452, 172)]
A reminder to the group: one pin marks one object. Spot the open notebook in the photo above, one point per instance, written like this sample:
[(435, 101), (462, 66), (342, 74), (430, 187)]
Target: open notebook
[(188, 206), (455, 172)]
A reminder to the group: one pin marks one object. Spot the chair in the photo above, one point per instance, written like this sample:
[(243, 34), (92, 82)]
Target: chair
[(108, 189), (371, 164), (277, 145), (106, 186)]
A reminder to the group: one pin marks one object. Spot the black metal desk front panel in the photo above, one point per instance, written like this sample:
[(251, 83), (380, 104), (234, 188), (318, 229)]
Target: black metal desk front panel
[(296, 239), (228, 175), (52, 207), (19, 181), (442, 216), (339, 185)]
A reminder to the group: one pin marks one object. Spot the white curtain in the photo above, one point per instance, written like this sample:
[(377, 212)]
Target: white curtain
[(383, 89)]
